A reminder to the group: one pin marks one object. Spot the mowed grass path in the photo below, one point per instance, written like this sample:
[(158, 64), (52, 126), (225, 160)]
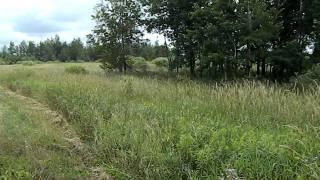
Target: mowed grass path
[(32, 145), (142, 128)]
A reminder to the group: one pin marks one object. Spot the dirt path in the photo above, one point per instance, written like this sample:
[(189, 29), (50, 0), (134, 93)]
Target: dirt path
[(59, 121)]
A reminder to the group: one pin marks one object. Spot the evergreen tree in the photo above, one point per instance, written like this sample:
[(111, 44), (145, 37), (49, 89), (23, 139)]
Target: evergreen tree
[(23, 48), (76, 48), (57, 47), (12, 50), (32, 48), (4, 53)]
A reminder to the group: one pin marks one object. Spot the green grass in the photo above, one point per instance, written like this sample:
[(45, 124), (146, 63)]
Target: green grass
[(31, 147), (76, 70), (143, 128)]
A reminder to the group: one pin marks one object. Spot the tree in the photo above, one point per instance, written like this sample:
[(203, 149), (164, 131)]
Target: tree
[(173, 18), (217, 31), (23, 48), (260, 29), (4, 52), (32, 48), (116, 30), (57, 47), (64, 56), (76, 49), (12, 49)]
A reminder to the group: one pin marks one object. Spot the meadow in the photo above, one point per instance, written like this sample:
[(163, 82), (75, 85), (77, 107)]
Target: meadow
[(147, 128)]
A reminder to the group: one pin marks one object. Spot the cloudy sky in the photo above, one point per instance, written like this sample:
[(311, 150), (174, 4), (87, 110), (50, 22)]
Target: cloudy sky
[(40, 19)]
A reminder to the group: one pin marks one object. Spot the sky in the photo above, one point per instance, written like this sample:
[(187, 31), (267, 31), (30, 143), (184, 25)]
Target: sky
[(38, 20)]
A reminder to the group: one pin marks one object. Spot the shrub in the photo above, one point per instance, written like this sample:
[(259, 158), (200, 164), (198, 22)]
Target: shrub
[(76, 70), (309, 80), (138, 63), (28, 63), (141, 65), (161, 62), (13, 59), (3, 62), (107, 67)]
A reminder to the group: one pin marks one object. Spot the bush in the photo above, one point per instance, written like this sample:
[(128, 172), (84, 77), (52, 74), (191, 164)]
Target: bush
[(107, 67), (76, 70), (141, 65), (13, 59), (28, 63), (138, 63), (3, 62), (161, 62), (309, 80)]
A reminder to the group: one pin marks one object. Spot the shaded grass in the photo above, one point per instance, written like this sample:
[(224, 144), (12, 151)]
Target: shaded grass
[(159, 129)]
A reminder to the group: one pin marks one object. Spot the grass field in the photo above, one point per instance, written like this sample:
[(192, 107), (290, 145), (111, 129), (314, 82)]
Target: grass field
[(31, 147), (143, 128)]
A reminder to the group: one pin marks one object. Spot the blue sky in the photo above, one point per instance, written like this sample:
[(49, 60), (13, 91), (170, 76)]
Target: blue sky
[(40, 19)]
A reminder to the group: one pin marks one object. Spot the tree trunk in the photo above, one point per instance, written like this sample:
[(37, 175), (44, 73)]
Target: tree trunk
[(263, 69), (248, 61), (124, 65), (192, 63), (258, 68), (248, 43)]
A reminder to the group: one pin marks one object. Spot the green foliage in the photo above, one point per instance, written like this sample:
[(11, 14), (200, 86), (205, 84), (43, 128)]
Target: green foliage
[(161, 62), (12, 59), (28, 63), (76, 50), (309, 80), (138, 63), (2, 61), (117, 30), (149, 51), (49, 50), (76, 70), (244, 33)]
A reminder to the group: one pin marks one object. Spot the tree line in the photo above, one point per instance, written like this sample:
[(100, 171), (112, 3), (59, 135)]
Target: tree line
[(49, 50), (53, 49), (215, 38)]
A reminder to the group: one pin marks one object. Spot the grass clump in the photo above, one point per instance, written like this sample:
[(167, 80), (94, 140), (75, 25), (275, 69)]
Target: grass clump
[(141, 128), (161, 62), (28, 63), (138, 63), (76, 70)]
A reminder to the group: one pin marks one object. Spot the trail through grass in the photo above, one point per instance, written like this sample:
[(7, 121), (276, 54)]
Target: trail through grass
[(32, 145), (142, 128)]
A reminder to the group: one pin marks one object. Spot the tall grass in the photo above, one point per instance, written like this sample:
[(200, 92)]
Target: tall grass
[(150, 129)]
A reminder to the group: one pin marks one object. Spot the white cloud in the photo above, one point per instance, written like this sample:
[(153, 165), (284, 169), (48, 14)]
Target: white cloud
[(41, 19)]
